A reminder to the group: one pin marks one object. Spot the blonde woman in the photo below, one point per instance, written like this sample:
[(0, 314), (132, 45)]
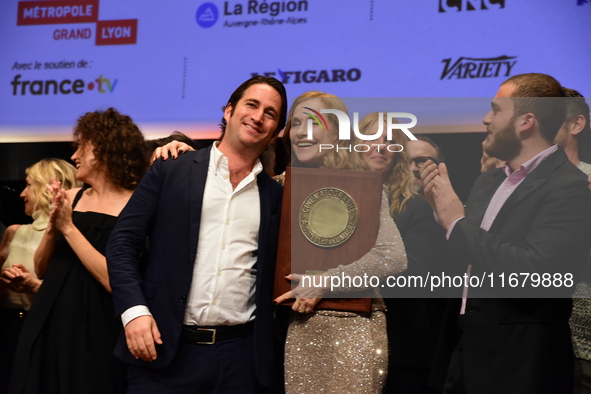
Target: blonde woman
[(337, 351), (18, 282)]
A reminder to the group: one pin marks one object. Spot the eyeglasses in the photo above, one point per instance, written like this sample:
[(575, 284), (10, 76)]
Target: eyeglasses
[(421, 160)]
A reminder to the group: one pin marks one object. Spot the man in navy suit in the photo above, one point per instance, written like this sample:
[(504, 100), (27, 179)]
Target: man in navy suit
[(200, 318), (531, 217)]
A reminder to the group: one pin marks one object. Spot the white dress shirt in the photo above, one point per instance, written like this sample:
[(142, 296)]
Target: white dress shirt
[(223, 286)]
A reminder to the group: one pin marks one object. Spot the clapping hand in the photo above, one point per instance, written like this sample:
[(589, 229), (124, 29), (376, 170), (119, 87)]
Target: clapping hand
[(440, 194), (60, 214), (19, 279)]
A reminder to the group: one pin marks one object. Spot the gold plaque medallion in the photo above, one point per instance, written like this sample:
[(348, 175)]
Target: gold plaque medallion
[(328, 217)]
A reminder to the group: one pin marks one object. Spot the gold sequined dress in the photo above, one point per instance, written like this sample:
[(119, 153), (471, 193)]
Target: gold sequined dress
[(346, 352)]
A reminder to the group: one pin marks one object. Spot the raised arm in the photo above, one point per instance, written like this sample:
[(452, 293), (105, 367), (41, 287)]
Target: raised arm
[(92, 259), (46, 247)]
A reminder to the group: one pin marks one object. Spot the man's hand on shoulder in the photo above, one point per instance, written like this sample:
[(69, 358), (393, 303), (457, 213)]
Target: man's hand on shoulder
[(141, 334)]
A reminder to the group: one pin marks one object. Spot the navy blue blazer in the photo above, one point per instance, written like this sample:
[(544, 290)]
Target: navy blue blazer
[(166, 208)]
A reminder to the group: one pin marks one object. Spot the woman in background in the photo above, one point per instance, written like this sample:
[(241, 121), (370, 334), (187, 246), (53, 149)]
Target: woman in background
[(67, 342), (18, 282)]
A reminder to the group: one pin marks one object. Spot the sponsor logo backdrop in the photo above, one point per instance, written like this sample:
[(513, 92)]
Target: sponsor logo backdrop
[(172, 65)]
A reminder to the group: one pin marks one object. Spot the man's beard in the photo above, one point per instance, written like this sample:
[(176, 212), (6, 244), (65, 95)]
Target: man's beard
[(504, 145)]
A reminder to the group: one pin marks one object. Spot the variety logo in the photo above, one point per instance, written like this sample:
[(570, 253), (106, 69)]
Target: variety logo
[(312, 76), (65, 86), (467, 67), (470, 5), (207, 15), (114, 32)]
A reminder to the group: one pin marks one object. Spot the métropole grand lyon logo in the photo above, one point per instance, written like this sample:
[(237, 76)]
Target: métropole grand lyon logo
[(207, 15), (72, 12)]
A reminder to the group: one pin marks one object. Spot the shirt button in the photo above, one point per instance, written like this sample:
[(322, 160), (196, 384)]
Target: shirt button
[(228, 221), (219, 273), (214, 302), (224, 247), (225, 177)]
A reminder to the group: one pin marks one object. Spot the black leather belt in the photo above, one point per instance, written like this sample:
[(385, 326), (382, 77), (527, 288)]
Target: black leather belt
[(209, 335)]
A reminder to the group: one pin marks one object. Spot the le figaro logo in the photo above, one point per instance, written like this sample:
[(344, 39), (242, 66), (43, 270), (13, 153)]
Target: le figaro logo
[(68, 12), (314, 76), (469, 67), (252, 13), (470, 5)]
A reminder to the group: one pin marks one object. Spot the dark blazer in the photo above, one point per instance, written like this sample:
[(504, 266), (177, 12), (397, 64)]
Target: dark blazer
[(522, 345), (166, 208)]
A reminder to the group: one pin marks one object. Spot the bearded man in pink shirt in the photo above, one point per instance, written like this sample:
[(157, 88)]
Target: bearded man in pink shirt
[(529, 221)]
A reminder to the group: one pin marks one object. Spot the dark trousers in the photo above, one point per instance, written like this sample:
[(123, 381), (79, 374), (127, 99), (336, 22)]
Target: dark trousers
[(226, 368), (11, 324), (454, 383)]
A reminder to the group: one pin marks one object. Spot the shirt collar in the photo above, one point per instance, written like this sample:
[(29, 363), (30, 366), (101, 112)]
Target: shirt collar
[(40, 220), (530, 165), (219, 161)]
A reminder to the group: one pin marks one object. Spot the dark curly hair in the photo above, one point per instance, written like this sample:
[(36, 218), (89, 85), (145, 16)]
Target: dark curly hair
[(118, 145)]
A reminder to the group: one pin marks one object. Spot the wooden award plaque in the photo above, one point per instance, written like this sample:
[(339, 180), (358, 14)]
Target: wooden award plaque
[(339, 198)]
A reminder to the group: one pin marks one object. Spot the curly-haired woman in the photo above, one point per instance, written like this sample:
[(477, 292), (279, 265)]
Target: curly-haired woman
[(67, 342)]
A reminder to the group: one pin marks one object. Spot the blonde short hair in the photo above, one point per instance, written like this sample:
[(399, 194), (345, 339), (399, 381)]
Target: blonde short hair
[(41, 174)]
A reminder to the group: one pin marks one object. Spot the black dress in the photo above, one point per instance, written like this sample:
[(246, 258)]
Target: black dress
[(67, 342)]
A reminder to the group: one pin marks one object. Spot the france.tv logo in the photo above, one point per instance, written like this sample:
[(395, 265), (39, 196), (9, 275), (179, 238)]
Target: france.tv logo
[(207, 15)]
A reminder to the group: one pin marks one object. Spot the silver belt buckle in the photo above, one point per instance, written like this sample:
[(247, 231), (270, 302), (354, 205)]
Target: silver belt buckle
[(213, 330)]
